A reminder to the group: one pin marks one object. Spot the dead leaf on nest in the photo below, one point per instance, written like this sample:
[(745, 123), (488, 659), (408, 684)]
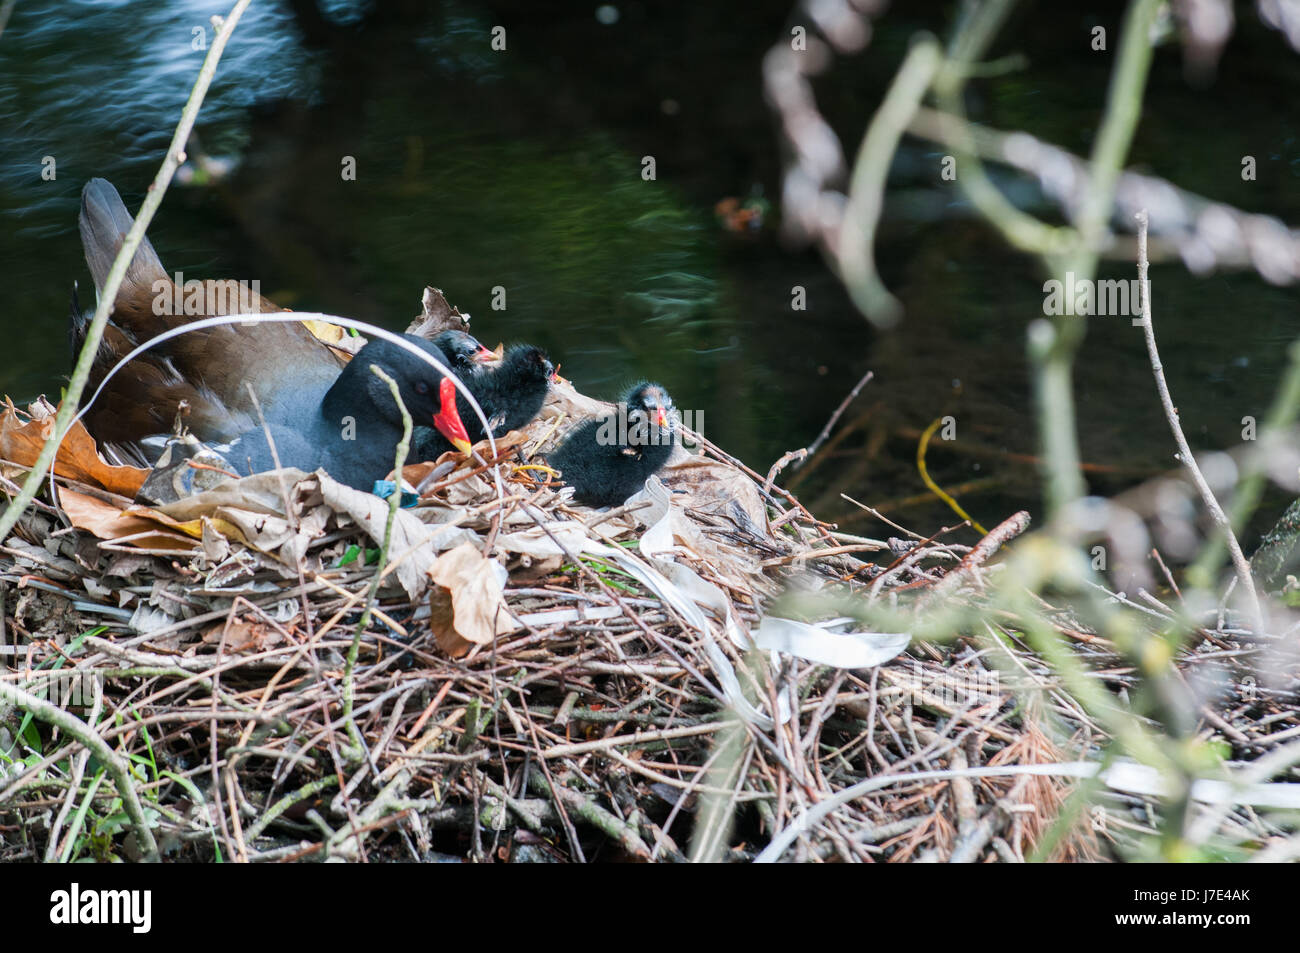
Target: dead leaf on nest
[(242, 636), (107, 521), (324, 331), (270, 534), (539, 542), (414, 546), (260, 493), (669, 529), (437, 316), (528, 569), (252, 511), (716, 487), (78, 458), (467, 601), (470, 491)]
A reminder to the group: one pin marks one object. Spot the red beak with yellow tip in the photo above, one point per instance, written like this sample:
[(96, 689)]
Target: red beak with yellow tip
[(447, 419), (661, 417)]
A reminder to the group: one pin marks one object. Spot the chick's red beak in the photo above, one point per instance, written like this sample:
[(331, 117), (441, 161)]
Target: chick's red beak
[(661, 417), (447, 419), (484, 355)]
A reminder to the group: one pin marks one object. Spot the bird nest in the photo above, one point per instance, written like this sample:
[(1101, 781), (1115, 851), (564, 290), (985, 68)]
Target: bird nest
[(278, 675)]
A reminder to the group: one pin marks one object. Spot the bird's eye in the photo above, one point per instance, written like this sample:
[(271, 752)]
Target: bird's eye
[(421, 387)]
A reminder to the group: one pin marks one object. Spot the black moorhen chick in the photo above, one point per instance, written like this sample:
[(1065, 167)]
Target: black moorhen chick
[(461, 351), (511, 394), (608, 459)]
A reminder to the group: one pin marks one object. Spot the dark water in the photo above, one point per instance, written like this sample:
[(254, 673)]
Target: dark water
[(522, 170)]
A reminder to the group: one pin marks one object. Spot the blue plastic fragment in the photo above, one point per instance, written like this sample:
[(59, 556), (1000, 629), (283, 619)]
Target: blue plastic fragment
[(384, 489)]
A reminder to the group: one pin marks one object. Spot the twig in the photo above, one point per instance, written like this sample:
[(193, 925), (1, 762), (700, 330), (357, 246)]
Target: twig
[(394, 501), (830, 424), (1244, 578), (855, 254), (113, 762), (786, 458), (995, 539), (636, 738)]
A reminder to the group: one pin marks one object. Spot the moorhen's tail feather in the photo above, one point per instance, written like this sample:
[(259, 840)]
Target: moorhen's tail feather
[(120, 416), (104, 222), (77, 322)]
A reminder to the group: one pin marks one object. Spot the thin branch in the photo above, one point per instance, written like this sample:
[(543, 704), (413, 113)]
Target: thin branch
[(854, 254), (839, 412), (394, 502), (1239, 562)]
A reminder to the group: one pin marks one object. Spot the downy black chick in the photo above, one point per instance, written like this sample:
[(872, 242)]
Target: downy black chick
[(511, 394), (608, 459)]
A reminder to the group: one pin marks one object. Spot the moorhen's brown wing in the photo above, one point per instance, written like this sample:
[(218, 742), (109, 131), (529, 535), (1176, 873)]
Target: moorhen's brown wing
[(208, 368)]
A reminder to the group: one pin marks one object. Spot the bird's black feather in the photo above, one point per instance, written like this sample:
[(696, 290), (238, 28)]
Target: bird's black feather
[(511, 394), (354, 430), (608, 459)]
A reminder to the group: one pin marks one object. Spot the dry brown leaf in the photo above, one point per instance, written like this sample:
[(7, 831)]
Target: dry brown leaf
[(539, 542), (78, 458), (467, 600), (259, 493), (414, 545), (342, 344), (528, 569), (252, 511), (107, 521), (324, 331), (242, 636), (716, 487), (437, 315)]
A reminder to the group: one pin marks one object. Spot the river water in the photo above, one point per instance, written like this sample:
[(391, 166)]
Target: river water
[(515, 177)]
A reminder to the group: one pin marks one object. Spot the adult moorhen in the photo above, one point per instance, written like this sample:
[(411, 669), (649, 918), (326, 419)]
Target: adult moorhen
[(319, 412), (608, 459), (353, 431)]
